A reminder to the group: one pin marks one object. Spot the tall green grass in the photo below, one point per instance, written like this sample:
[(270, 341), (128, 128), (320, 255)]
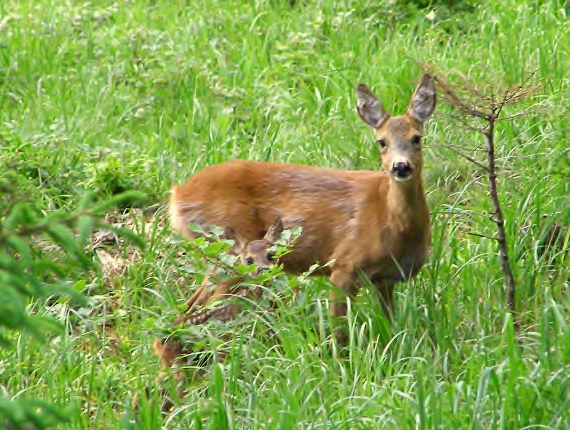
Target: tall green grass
[(112, 96)]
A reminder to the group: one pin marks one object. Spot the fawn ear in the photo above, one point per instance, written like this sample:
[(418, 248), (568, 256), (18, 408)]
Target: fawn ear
[(422, 104), (274, 232), (239, 241), (369, 107)]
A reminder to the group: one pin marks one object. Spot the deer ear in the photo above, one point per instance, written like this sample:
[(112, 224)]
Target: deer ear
[(274, 232), (423, 99), (239, 241), (369, 107)]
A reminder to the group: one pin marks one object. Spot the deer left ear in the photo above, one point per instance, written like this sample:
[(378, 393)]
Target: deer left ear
[(422, 104), (239, 241), (274, 232), (369, 107)]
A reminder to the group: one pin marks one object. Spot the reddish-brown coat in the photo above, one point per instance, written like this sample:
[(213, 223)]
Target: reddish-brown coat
[(374, 222)]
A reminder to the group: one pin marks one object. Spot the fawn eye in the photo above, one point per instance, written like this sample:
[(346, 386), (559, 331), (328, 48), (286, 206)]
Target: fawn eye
[(249, 261), (382, 143), (416, 139), (271, 256)]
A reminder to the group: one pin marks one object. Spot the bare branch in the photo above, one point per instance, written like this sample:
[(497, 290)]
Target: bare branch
[(472, 233), (467, 157), (451, 145), (486, 103), (465, 124)]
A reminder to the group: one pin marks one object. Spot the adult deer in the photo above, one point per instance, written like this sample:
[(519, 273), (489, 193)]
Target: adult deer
[(371, 223)]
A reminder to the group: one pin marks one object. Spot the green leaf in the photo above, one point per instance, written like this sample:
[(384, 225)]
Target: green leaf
[(87, 200), (212, 249), (20, 413), (243, 269), (228, 259), (218, 231), (128, 196), (85, 225), (14, 218), (21, 247), (297, 230), (130, 235), (195, 228), (79, 286), (63, 237), (149, 323)]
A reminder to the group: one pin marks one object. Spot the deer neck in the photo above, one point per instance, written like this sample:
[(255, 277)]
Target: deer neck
[(407, 205)]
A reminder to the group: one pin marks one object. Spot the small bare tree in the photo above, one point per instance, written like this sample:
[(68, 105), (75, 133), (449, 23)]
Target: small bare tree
[(478, 108)]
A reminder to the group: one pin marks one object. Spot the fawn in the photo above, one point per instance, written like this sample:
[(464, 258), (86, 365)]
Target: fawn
[(172, 353), (255, 253), (374, 223)]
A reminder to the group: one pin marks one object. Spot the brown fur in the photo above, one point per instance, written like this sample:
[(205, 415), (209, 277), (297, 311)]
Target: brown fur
[(363, 220)]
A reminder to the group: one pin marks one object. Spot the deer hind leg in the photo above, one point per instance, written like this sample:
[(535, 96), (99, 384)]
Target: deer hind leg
[(345, 283), (173, 358)]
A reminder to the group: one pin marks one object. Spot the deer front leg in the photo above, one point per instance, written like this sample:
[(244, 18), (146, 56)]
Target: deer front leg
[(198, 298), (386, 295), (203, 296)]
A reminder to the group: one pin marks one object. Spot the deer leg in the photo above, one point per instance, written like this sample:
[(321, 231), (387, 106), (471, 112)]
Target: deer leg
[(345, 281), (387, 300), (203, 297), (386, 295), (222, 291), (195, 299)]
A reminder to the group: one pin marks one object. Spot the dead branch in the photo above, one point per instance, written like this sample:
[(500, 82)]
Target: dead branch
[(485, 104)]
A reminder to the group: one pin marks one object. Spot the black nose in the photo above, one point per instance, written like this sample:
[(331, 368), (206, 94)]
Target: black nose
[(402, 170), (260, 270)]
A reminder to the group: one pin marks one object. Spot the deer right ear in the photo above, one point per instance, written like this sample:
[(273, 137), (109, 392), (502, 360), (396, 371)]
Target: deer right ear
[(423, 100), (369, 107), (239, 240)]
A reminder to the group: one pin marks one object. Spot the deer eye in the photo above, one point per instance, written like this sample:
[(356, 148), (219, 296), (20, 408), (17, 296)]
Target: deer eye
[(249, 261), (382, 143), (416, 139), (271, 256)]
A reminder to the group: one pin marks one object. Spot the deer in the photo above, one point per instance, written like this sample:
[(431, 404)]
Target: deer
[(375, 223), (251, 253), (200, 309)]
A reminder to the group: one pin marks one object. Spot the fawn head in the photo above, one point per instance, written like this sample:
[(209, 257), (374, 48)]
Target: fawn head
[(399, 137), (257, 251)]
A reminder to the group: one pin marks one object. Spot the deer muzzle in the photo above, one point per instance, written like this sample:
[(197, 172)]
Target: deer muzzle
[(402, 171)]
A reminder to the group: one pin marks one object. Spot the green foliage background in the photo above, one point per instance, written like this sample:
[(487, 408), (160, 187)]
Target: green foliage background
[(112, 96)]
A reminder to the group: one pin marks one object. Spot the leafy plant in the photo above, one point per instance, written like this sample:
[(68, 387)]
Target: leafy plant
[(37, 254)]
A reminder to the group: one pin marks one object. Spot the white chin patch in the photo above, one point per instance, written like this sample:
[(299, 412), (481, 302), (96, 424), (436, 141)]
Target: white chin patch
[(402, 179)]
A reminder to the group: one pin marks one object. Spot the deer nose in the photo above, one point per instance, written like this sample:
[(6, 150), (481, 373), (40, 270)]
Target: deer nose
[(402, 170), (259, 270)]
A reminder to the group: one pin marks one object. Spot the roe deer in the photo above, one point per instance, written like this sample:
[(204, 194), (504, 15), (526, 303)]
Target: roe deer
[(375, 223), (256, 253), (172, 353)]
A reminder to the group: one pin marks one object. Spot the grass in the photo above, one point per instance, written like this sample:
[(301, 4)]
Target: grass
[(112, 96)]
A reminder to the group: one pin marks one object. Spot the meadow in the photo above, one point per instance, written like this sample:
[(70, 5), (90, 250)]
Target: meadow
[(114, 96)]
